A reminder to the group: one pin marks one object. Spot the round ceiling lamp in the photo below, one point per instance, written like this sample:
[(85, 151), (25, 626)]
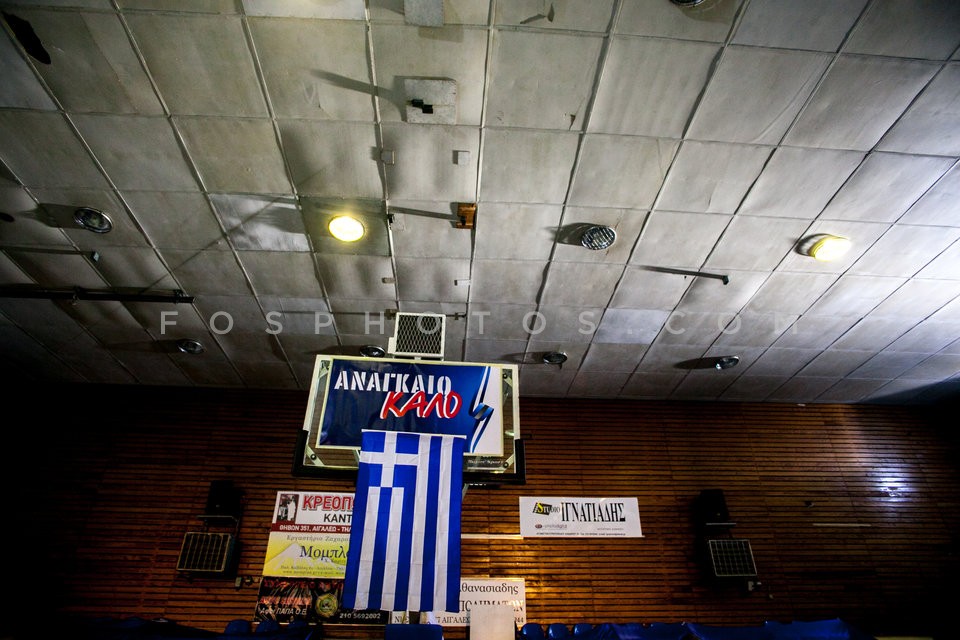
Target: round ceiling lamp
[(597, 237), (824, 246), (93, 220), (346, 228)]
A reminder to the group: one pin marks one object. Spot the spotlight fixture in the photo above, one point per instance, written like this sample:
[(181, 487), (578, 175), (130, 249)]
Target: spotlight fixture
[(824, 246), (372, 351), (346, 229), (93, 220), (686, 3), (726, 362), (189, 345), (554, 357), (598, 237)]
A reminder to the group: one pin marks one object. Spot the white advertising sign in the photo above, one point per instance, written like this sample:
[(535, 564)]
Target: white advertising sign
[(480, 592), (580, 517)]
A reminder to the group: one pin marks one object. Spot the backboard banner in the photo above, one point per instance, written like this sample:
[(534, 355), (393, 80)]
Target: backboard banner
[(579, 517), (476, 400), (416, 397)]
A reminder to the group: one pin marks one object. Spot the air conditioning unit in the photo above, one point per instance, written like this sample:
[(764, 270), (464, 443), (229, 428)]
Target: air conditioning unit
[(418, 335), (207, 553)]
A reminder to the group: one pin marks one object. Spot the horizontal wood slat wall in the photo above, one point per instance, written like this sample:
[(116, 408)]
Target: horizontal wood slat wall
[(851, 511)]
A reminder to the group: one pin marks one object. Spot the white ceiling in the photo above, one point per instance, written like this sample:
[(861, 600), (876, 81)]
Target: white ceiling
[(220, 135)]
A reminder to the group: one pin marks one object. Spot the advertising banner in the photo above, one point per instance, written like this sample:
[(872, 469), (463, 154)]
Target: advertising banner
[(480, 591), (309, 535), (580, 517), (306, 561), (418, 397)]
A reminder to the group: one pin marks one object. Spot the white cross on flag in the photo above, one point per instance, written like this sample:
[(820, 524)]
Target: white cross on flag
[(404, 550)]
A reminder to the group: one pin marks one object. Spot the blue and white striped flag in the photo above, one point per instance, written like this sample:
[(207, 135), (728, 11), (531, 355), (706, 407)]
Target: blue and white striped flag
[(404, 550)]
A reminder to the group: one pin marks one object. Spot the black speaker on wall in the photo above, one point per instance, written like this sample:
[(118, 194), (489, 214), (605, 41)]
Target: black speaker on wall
[(224, 500), (710, 509)]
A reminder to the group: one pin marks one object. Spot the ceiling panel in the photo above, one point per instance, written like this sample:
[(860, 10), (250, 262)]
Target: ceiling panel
[(92, 50), (425, 164), (546, 157), (858, 100), (908, 28), (885, 186), (523, 232), (186, 220), (929, 125), (183, 52), (654, 18), (711, 176), (541, 80), (303, 79), (619, 171), (798, 183), (819, 25), (755, 94), (667, 77)]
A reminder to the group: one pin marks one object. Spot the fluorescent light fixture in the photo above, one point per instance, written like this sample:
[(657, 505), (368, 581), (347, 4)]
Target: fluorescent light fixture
[(346, 229)]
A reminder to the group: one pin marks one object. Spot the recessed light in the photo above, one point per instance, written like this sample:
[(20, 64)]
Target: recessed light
[(346, 229), (372, 351), (597, 237), (93, 220), (189, 345)]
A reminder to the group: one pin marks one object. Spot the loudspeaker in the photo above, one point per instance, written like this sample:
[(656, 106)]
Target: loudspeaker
[(710, 508), (224, 499)]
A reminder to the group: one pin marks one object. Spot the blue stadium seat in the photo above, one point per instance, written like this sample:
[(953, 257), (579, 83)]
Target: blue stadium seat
[(582, 629), (532, 631), (558, 631)]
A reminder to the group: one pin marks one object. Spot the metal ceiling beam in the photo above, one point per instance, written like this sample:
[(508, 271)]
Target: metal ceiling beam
[(102, 295)]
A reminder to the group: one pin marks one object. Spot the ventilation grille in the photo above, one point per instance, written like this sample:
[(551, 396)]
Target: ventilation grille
[(418, 334), (732, 558), (204, 552)]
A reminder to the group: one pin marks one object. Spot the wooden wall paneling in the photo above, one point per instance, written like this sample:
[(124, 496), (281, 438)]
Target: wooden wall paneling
[(851, 511)]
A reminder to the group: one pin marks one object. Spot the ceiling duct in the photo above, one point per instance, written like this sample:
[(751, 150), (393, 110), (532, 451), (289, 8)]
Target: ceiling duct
[(418, 335)]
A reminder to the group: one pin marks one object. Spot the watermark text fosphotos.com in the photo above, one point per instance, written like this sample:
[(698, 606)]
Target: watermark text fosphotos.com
[(533, 323)]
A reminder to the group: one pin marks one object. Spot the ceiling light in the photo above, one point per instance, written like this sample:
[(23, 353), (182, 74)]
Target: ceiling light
[(93, 220), (823, 246), (726, 362), (687, 3), (554, 357), (372, 351), (598, 237), (346, 229), (191, 346)]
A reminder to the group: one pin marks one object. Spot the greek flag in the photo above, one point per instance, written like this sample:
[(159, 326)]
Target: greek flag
[(404, 550)]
